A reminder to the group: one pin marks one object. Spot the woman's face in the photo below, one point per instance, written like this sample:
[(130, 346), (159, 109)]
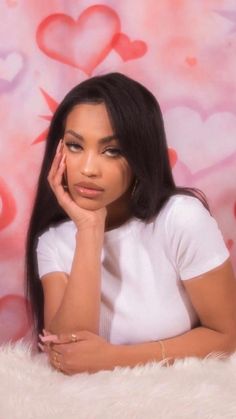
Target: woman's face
[(97, 173)]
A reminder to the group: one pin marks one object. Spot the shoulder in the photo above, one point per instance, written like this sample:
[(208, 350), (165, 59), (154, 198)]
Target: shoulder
[(185, 220), (192, 236), (183, 210)]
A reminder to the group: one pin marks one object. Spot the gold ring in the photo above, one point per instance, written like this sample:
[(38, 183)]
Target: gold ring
[(55, 358), (74, 338)]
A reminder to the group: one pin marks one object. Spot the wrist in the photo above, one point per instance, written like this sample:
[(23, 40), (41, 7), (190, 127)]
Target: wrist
[(90, 234), (134, 354), (123, 355), (90, 225)]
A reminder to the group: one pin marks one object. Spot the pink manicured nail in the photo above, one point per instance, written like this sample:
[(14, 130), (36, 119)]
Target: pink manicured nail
[(63, 159), (59, 146), (48, 338), (41, 346), (45, 332)]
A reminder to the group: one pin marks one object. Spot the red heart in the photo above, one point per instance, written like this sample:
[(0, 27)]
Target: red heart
[(191, 61), (13, 318), (173, 157), (83, 43), (8, 211), (128, 50), (229, 244)]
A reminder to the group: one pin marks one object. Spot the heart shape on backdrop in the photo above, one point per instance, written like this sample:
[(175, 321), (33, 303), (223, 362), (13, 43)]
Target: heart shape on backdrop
[(173, 157), (83, 43), (191, 61), (13, 316), (8, 205), (194, 137), (128, 50), (12, 65)]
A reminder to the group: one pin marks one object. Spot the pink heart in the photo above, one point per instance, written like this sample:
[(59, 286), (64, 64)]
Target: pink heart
[(12, 69), (229, 244), (191, 61), (128, 50), (81, 43), (173, 157), (8, 211), (10, 66), (13, 318)]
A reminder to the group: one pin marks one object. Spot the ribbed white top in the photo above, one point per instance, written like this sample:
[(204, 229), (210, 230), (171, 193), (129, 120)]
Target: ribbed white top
[(143, 266)]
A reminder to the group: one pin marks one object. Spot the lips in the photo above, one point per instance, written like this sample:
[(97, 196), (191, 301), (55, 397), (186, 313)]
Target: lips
[(89, 185)]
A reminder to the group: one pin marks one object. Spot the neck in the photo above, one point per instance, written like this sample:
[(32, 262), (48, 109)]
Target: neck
[(118, 213)]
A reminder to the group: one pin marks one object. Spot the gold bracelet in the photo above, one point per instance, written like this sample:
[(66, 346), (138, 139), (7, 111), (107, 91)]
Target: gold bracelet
[(163, 352)]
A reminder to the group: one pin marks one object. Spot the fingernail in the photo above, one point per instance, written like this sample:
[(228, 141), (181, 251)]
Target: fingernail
[(48, 338), (59, 146), (62, 162), (41, 346)]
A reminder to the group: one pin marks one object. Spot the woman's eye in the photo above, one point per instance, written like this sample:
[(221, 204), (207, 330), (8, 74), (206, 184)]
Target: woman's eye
[(113, 152), (74, 147)]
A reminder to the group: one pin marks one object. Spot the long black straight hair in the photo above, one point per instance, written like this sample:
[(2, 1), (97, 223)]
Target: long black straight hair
[(137, 121)]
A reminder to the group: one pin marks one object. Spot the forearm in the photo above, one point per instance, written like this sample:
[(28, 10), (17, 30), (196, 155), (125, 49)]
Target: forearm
[(80, 306), (198, 342)]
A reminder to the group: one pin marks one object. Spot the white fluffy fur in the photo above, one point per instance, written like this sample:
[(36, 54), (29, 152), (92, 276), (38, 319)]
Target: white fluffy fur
[(191, 388)]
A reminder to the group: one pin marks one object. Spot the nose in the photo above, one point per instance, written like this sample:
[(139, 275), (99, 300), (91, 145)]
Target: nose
[(89, 165)]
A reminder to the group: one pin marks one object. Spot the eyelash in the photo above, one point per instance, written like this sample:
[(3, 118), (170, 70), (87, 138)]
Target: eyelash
[(117, 151)]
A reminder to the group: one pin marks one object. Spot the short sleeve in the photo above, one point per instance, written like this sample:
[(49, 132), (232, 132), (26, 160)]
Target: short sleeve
[(195, 241), (47, 254)]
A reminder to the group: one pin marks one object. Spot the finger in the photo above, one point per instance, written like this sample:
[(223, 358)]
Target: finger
[(44, 348), (57, 153), (86, 334), (56, 161), (58, 177), (41, 347), (48, 338), (55, 361), (60, 170), (74, 337), (54, 167), (45, 332), (62, 196), (59, 146), (67, 338), (60, 348)]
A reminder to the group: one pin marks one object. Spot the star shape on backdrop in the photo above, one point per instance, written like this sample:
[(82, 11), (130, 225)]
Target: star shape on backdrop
[(52, 104)]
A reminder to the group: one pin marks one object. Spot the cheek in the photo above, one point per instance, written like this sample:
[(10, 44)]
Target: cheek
[(122, 176), (71, 167)]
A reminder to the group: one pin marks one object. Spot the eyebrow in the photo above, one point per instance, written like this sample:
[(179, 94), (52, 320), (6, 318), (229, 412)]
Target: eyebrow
[(103, 140)]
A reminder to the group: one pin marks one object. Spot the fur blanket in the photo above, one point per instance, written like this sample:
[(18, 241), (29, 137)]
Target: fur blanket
[(191, 388)]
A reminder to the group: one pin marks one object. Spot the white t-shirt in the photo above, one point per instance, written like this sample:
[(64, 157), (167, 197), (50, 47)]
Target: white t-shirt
[(143, 265)]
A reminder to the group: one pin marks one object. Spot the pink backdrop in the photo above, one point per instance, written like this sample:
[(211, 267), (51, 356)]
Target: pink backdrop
[(183, 50)]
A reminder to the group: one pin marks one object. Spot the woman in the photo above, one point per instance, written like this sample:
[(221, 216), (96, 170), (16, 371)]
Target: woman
[(124, 267)]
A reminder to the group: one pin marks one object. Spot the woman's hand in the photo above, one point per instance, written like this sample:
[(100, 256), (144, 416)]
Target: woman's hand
[(81, 217), (89, 353)]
